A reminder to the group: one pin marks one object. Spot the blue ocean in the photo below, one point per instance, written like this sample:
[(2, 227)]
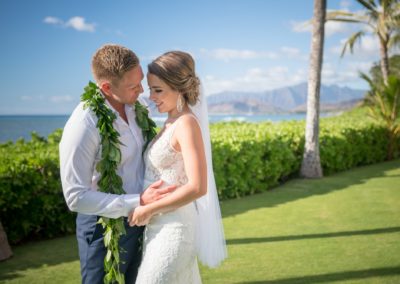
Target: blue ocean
[(13, 127)]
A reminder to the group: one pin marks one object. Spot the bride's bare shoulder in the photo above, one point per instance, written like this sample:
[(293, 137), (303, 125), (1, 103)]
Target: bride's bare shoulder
[(188, 120)]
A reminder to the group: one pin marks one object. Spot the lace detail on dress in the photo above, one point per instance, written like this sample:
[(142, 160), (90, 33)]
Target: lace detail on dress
[(164, 162)]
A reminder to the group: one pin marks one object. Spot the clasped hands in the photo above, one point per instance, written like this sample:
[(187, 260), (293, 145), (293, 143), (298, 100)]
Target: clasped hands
[(142, 214)]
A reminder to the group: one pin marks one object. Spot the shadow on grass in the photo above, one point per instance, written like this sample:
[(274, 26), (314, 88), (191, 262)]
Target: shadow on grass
[(39, 254), (312, 236), (331, 277), (298, 189)]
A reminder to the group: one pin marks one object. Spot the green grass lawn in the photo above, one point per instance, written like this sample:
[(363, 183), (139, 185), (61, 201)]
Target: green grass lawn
[(343, 228)]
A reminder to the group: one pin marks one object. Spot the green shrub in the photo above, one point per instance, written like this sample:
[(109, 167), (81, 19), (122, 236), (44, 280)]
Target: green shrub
[(31, 200), (250, 158)]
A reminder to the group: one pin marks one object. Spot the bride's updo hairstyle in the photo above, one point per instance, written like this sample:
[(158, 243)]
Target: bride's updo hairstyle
[(177, 70)]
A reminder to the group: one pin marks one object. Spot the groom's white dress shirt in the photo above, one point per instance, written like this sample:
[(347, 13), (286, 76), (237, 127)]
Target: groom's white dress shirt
[(80, 150)]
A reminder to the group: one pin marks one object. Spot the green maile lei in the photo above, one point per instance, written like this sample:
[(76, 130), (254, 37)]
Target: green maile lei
[(110, 181)]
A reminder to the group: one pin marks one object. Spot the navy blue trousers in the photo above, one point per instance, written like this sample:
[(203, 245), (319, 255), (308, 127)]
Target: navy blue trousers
[(92, 250)]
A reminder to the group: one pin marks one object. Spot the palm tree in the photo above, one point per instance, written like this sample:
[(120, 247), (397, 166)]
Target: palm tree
[(384, 105), (311, 164), (5, 250), (383, 18)]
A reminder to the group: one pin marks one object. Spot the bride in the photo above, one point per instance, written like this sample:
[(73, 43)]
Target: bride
[(186, 224)]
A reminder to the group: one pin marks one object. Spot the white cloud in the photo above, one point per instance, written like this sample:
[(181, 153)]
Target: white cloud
[(53, 21), (255, 79), (61, 99), (345, 74), (301, 27), (32, 98), (120, 33), (230, 54), (261, 79), (331, 28), (290, 51), (26, 98), (53, 99), (366, 47), (344, 5), (76, 23), (79, 24)]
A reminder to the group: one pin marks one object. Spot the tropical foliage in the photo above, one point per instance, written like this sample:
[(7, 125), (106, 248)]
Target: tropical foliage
[(384, 105), (376, 71), (382, 18)]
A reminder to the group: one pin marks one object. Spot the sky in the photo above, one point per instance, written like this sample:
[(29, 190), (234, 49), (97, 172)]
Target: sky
[(238, 45)]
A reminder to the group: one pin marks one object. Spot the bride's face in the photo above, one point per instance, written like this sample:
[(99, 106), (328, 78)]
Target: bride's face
[(161, 94)]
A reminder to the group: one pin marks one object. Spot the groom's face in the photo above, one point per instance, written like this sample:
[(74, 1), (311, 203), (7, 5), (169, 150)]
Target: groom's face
[(129, 87)]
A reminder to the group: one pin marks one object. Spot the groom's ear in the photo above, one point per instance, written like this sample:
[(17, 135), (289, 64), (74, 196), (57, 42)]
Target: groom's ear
[(105, 86)]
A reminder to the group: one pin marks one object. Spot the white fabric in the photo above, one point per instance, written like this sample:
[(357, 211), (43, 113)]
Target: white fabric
[(169, 251), (210, 239), (80, 150)]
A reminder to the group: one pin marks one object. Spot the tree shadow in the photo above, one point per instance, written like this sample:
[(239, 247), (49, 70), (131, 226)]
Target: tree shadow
[(39, 254), (332, 277), (297, 189), (312, 236)]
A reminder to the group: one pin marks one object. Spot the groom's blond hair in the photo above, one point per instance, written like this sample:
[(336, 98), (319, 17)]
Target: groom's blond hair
[(112, 61)]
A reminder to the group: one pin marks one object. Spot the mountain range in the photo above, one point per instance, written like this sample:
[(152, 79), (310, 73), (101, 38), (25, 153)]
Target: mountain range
[(283, 100)]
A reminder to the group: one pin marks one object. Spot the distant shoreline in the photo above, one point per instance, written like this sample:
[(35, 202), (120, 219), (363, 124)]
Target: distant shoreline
[(211, 114)]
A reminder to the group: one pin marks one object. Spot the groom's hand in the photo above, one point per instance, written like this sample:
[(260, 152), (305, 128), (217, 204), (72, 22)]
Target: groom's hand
[(154, 192)]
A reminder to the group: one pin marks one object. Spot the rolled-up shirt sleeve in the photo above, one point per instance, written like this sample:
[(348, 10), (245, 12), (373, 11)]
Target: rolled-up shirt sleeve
[(78, 149)]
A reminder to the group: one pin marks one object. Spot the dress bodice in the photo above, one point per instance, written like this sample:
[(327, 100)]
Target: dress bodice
[(162, 161)]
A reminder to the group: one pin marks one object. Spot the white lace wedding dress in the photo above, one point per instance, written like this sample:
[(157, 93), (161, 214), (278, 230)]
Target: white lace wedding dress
[(169, 253)]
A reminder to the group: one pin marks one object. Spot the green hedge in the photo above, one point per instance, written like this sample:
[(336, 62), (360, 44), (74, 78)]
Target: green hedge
[(247, 157), (31, 201), (251, 158)]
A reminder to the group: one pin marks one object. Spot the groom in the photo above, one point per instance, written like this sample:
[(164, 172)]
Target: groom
[(118, 74)]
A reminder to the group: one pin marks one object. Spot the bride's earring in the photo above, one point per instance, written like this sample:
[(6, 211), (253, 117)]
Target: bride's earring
[(179, 103)]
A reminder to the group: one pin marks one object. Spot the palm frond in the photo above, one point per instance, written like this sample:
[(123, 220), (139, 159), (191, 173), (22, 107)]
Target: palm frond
[(393, 95), (372, 85), (350, 42), (393, 21), (344, 16), (394, 40), (390, 7), (369, 5), (341, 13), (396, 9), (397, 131), (385, 4), (367, 78)]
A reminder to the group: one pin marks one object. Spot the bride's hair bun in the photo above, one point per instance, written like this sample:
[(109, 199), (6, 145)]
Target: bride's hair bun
[(177, 70)]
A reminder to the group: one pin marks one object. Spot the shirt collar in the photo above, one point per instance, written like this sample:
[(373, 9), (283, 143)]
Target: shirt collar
[(128, 108), (109, 105)]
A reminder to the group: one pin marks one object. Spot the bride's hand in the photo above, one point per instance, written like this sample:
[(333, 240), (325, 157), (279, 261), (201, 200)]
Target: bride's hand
[(140, 216)]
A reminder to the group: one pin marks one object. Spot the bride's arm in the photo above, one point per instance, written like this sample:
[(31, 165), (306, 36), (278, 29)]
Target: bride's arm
[(188, 136)]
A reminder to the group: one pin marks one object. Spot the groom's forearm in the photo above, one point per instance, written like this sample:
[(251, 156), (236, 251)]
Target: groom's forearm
[(102, 204)]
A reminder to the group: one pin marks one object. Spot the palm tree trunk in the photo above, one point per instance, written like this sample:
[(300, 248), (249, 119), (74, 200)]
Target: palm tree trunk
[(384, 61), (311, 164), (5, 250)]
